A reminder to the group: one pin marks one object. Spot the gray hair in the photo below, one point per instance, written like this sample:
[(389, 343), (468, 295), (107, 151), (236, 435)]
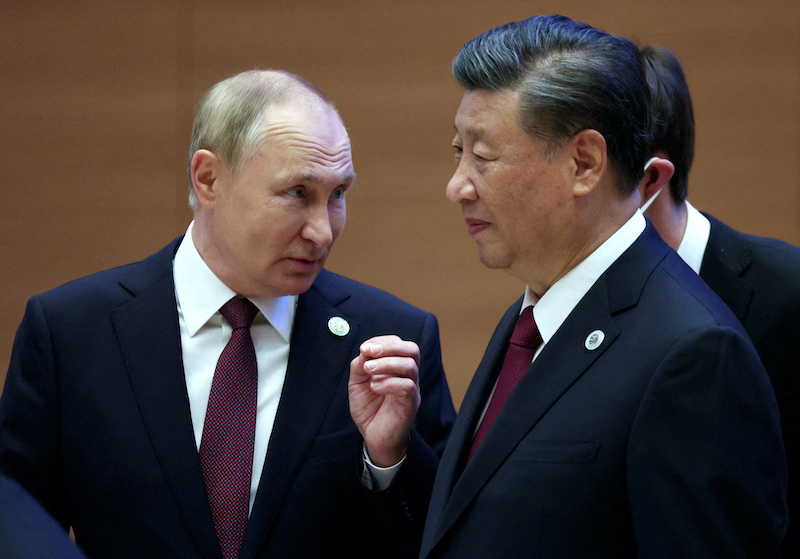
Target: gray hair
[(570, 77), (230, 117)]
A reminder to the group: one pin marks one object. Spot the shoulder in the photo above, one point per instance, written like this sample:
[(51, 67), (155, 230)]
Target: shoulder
[(671, 291), (687, 298), (653, 280), (112, 286), (755, 254)]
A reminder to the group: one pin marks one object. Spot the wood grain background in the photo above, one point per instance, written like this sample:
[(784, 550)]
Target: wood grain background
[(97, 96)]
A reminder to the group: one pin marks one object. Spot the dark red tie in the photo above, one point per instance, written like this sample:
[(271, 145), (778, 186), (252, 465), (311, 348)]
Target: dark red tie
[(524, 341), (226, 449)]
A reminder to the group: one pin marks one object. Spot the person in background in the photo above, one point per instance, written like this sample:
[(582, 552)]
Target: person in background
[(756, 277)]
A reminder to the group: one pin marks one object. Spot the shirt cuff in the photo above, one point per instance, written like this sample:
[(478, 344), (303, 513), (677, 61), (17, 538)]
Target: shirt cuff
[(374, 477)]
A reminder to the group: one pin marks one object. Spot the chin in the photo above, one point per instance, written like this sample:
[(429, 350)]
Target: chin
[(491, 261), (300, 285)]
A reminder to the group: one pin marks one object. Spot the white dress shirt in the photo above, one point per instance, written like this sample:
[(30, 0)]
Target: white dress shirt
[(695, 238), (204, 334)]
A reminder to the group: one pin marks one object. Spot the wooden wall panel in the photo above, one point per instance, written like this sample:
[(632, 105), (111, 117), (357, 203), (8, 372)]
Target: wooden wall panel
[(96, 104)]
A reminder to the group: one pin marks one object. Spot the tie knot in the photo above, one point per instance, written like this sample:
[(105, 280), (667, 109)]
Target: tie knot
[(239, 312), (526, 333)]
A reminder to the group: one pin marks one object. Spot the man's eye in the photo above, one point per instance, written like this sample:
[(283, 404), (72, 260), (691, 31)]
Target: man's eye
[(296, 192), (338, 194)]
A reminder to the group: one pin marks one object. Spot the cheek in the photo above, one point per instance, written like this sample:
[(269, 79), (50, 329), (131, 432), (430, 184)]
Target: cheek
[(338, 219)]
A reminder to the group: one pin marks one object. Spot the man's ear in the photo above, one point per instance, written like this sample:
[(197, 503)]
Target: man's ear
[(205, 171), (656, 176), (588, 151)]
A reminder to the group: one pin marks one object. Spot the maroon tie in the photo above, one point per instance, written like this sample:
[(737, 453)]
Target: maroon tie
[(226, 449), (524, 341)]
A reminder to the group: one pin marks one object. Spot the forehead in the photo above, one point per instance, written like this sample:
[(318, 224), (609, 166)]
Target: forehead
[(484, 113), (309, 134)]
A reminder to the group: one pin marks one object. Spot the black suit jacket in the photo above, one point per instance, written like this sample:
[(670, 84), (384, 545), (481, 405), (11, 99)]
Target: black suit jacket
[(95, 423), (759, 279), (664, 441)]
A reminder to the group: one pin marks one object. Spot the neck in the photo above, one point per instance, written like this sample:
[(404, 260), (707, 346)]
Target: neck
[(669, 220), (591, 229)]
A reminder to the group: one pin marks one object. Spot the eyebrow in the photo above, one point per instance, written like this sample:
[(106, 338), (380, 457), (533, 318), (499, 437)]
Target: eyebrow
[(474, 133), (312, 178)]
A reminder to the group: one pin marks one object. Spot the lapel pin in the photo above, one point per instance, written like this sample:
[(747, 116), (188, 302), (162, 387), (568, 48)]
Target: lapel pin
[(594, 340), (338, 326)]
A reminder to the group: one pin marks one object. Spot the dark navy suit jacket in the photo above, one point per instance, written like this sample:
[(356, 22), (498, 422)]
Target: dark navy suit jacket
[(95, 423), (759, 279), (663, 441), (27, 531)]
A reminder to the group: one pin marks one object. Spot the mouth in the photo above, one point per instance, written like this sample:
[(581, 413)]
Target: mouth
[(305, 264), (475, 225)]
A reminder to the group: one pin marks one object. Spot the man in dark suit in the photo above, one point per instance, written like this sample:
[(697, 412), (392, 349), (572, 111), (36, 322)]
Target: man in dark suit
[(642, 423), (756, 277), (139, 410), (27, 531)]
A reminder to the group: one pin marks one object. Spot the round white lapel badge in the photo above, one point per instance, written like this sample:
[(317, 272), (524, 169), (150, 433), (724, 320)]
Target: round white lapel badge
[(594, 340), (338, 326)]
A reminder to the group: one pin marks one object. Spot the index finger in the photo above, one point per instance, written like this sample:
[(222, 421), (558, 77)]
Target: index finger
[(390, 346)]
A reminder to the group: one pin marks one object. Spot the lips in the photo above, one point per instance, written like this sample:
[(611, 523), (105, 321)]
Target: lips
[(302, 266), (475, 225), (304, 263), (307, 255), (309, 259)]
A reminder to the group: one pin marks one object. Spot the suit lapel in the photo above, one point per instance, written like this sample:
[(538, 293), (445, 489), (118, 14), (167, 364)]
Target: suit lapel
[(563, 361), (724, 262), (480, 387), (317, 361), (149, 339), (560, 364)]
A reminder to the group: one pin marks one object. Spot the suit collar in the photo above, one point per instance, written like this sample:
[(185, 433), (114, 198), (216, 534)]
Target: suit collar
[(142, 275), (559, 365), (725, 245), (725, 261)]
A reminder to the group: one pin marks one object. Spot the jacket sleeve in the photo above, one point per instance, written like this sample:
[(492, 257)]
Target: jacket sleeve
[(29, 415)]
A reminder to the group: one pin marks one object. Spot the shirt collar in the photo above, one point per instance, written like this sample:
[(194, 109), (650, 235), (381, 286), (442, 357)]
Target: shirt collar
[(695, 238), (200, 293), (553, 308)]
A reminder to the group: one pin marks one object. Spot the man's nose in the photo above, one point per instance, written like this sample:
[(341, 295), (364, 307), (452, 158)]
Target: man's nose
[(318, 227), (460, 187)]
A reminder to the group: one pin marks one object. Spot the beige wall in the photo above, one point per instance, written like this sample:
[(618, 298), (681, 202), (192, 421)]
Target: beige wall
[(96, 104)]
